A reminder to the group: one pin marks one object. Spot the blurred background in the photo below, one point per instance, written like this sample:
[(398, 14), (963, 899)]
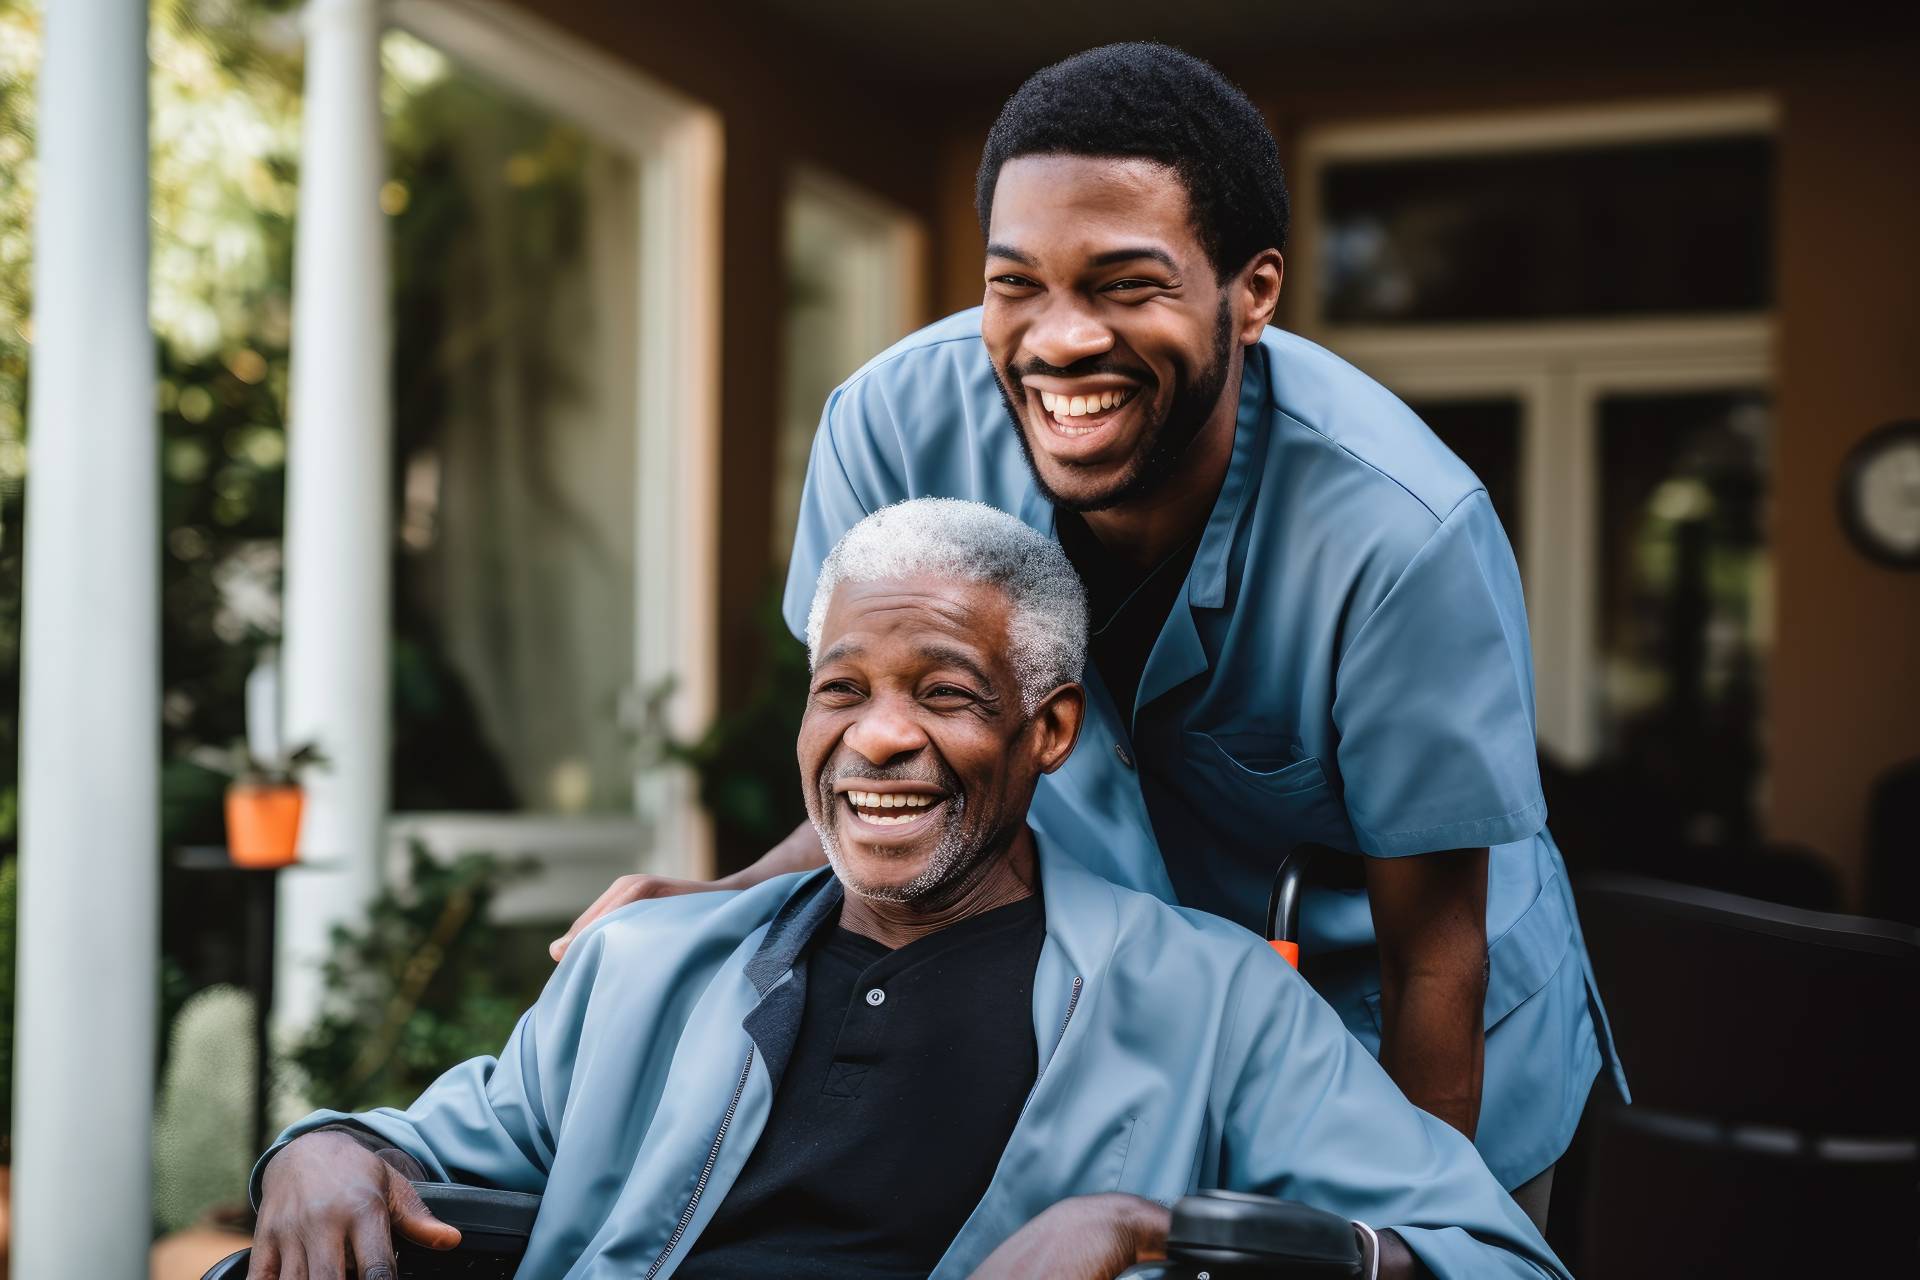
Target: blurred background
[(1649, 268)]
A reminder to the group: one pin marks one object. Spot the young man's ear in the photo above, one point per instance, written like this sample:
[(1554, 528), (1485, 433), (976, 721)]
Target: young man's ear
[(1259, 284), (1057, 721)]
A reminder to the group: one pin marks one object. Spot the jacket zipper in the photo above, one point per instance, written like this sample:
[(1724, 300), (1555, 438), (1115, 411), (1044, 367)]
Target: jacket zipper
[(713, 1158), (1073, 1002)]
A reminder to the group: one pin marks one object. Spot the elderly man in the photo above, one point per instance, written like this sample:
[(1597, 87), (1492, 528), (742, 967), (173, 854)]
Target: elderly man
[(955, 1052)]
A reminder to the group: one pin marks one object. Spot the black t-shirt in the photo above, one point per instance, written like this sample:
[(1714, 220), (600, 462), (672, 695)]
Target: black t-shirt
[(1125, 608), (911, 1068)]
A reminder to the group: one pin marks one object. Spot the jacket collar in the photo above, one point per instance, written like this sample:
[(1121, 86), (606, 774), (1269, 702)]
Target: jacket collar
[(1080, 909), (811, 904), (1178, 655)]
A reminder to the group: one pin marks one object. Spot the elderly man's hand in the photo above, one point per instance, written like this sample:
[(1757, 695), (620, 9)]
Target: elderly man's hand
[(325, 1199), (1085, 1238)]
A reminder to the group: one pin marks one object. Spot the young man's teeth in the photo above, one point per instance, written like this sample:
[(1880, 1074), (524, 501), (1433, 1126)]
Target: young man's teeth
[(1080, 406)]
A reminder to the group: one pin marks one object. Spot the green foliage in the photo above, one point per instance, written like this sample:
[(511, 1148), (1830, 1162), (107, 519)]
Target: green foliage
[(417, 989), (224, 106), (9, 921), (203, 1124), (749, 780)]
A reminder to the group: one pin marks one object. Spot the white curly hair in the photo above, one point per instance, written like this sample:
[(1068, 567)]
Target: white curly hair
[(951, 537)]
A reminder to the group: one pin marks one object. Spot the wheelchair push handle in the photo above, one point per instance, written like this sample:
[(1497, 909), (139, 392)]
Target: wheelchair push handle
[(1283, 904)]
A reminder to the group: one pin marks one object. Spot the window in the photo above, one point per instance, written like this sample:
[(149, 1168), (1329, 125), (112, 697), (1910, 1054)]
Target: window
[(556, 269), (516, 286), (1576, 303), (1683, 587), (853, 275), (1653, 228), (1485, 434)]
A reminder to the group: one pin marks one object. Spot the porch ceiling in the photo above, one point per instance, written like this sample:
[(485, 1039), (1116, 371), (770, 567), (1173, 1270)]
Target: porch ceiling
[(986, 41)]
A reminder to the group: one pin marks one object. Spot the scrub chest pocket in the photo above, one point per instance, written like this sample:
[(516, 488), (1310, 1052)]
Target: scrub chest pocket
[(1265, 792)]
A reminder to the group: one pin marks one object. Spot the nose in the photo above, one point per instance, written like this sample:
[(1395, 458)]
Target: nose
[(883, 734), (1067, 331)]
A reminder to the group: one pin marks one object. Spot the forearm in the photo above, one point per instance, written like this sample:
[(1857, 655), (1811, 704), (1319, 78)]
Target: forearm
[(800, 851), (1429, 914), (1432, 1043), (1397, 1261)]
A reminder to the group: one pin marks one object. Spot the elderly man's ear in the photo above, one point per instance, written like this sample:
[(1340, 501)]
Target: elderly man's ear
[(1056, 725)]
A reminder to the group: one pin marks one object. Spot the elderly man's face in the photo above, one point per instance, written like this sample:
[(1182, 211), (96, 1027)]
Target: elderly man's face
[(917, 755)]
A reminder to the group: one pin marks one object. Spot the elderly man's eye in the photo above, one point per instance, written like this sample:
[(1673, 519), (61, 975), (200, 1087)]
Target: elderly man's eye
[(837, 688)]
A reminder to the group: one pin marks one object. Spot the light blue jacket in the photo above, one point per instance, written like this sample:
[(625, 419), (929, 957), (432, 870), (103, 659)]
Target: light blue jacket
[(1347, 664), (1177, 1052)]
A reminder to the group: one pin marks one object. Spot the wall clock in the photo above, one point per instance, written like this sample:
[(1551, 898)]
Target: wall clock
[(1880, 495)]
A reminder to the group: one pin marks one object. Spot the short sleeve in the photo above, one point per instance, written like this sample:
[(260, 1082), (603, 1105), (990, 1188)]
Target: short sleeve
[(1434, 700)]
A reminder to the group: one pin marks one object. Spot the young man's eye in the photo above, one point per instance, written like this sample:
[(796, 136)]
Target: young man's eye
[(1012, 282)]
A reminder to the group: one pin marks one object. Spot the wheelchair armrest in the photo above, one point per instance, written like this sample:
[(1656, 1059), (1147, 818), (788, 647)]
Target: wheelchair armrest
[(1229, 1233), (494, 1226)]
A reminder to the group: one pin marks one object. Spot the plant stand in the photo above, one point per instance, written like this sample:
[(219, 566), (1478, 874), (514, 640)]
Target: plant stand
[(260, 885)]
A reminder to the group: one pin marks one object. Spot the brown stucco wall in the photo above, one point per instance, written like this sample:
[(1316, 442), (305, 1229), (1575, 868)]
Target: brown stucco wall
[(1845, 687)]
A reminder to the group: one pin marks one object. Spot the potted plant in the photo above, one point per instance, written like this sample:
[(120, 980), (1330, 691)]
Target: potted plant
[(263, 804)]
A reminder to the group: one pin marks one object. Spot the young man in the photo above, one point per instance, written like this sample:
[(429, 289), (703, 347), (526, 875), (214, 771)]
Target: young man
[(958, 1054), (1308, 625)]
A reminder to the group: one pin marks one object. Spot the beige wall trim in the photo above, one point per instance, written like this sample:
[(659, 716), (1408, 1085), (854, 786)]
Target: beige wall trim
[(1532, 128)]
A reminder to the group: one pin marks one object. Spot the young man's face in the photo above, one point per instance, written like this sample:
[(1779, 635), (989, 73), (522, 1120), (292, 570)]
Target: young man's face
[(1111, 338), (916, 754)]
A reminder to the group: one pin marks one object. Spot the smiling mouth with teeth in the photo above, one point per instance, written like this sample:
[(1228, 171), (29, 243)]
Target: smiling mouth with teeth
[(890, 809), (1065, 409)]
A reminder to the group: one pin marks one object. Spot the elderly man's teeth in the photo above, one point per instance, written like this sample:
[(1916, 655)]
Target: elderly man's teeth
[(887, 800)]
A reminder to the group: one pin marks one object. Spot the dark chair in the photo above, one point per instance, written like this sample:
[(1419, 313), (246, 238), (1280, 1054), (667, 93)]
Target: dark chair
[(1776, 1127), (494, 1226), (1893, 844)]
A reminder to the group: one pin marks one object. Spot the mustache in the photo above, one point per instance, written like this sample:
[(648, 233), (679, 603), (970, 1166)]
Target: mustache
[(934, 774), (1078, 369)]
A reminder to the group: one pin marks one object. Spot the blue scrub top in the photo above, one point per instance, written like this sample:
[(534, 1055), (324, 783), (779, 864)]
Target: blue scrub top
[(1347, 664)]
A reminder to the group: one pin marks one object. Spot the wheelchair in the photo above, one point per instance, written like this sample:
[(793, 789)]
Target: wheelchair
[(494, 1226), (1215, 1235)]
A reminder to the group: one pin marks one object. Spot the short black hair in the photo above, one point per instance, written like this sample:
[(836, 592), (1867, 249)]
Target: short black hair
[(1157, 103)]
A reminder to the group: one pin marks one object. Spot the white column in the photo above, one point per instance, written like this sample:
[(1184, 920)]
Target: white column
[(90, 669), (335, 646)]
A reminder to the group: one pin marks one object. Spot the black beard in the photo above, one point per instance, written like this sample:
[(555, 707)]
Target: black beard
[(1166, 441)]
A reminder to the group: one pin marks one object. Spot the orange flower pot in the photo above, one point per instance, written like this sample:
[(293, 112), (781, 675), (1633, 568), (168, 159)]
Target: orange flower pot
[(263, 823)]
